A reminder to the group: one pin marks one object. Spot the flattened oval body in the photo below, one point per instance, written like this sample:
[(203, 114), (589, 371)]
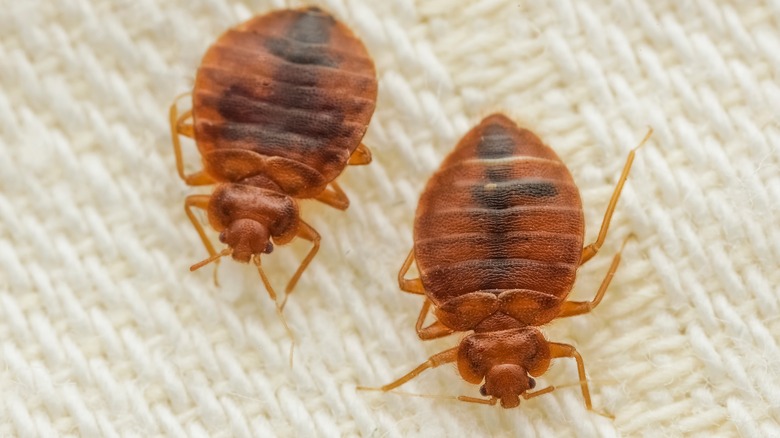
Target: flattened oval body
[(288, 94), (501, 215)]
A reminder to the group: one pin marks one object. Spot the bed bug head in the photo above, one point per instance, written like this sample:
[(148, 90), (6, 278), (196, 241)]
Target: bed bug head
[(504, 361), (250, 215), (246, 238), (507, 383)]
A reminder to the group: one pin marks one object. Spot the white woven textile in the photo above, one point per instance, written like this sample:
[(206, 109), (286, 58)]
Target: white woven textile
[(105, 332)]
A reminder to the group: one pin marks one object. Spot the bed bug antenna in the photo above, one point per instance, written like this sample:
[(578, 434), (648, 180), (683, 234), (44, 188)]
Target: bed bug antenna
[(482, 401), (463, 398), (215, 257), (530, 395), (272, 294)]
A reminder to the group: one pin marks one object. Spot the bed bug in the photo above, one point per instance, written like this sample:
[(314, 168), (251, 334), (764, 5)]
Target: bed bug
[(279, 107), (498, 238)]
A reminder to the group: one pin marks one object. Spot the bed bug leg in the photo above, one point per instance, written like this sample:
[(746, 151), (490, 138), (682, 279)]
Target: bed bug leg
[(336, 198), (279, 307), (202, 202), (446, 356), (573, 308), (414, 285), (305, 231), (433, 331), (179, 127), (589, 251), (361, 156), (565, 350)]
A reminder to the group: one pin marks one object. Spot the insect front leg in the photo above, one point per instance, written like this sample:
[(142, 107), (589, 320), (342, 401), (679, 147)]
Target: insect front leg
[(589, 251), (180, 126), (446, 356), (202, 202), (565, 350), (305, 231)]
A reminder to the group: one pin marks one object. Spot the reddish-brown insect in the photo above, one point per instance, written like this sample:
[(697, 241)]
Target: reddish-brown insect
[(279, 108), (498, 239)]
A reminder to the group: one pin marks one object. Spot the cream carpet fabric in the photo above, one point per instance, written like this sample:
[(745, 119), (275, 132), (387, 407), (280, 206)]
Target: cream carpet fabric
[(105, 332)]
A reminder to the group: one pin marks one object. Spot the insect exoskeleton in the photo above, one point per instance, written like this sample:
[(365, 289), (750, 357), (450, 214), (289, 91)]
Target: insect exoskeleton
[(498, 239), (280, 106)]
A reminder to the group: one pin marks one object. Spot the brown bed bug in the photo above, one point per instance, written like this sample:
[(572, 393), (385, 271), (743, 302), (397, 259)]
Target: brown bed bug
[(279, 107), (498, 238)]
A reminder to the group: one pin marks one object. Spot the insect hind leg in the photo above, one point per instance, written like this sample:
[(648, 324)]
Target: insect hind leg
[(589, 251)]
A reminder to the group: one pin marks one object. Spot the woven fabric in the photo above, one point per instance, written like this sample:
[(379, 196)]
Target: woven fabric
[(105, 332)]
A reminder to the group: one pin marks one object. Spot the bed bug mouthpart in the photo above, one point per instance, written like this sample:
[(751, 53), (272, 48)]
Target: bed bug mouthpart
[(280, 105), (498, 239)]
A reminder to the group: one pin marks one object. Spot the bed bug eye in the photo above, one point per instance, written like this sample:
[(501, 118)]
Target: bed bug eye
[(222, 237), (531, 383), (269, 248), (483, 391)]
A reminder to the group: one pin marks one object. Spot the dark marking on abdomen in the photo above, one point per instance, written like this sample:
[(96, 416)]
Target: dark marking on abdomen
[(496, 142), (502, 195), (293, 52), (302, 42), (239, 105), (274, 129), (312, 26)]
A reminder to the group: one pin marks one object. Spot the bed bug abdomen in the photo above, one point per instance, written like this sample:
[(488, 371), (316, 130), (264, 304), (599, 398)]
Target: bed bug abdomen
[(502, 213), (291, 92)]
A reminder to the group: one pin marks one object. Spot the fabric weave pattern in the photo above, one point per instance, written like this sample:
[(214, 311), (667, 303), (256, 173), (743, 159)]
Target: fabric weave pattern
[(105, 332)]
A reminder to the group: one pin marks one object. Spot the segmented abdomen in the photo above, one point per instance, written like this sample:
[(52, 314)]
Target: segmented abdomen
[(293, 83), (501, 213)]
